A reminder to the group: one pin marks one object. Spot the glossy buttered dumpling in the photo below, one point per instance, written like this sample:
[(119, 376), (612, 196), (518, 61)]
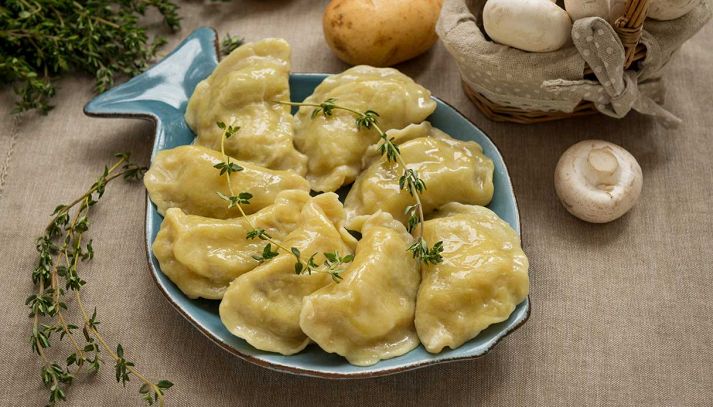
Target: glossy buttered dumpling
[(242, 91), (369, 315), (184, 177), (263, 306), (453, 170), (203, 255), (334, 144), (482, 279)]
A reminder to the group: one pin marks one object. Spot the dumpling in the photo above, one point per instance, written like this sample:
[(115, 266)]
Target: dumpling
[(369, 315), (184, 177), (203, 255), (242, 91), (263, 306), (453, 170), (334, 145), (482, 279)]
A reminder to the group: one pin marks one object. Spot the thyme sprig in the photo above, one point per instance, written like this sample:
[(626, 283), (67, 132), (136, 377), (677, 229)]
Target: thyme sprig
[(229, 44), (332, 264), (61, 250), (41, 40), (408, 181)]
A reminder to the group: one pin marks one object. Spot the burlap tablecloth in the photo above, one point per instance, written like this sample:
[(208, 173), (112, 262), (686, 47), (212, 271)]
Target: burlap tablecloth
[(622, 313)]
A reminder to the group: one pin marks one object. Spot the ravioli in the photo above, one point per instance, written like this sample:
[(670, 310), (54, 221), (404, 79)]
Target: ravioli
[(369, 315), (263, 306), (453, 170), (334, 144), (203, 255), (241, 91), (482, 279), (184, 178)]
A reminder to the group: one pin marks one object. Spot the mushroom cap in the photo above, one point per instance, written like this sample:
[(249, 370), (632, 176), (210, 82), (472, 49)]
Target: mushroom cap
[(598, 181), (529, 25)]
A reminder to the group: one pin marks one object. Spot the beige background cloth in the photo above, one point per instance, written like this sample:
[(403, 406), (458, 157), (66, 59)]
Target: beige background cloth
[(622, 313)]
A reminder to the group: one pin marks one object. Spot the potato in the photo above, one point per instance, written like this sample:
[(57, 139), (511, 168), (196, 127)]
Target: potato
[(529, 25), (380, 32)]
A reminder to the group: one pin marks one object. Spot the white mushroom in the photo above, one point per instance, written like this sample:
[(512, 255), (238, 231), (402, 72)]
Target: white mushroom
[(598, 181), (530, 25), (670, 9), (587, 8)]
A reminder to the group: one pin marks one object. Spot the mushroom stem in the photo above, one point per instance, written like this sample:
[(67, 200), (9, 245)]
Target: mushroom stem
[(601, 167)]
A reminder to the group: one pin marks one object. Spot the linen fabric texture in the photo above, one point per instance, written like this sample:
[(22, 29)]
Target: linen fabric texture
[(621, 312)]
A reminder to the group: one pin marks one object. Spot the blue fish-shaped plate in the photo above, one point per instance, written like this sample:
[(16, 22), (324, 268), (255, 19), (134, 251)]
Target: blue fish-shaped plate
[(161, 95)]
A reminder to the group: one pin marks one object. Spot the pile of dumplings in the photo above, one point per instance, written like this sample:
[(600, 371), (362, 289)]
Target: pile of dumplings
[(387, 303)]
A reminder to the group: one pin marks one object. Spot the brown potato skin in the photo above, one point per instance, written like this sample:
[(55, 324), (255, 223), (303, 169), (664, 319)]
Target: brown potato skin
[(380, 32)]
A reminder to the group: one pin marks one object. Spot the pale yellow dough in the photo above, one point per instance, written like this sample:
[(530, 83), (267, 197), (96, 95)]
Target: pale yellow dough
[(453, 170), (263, 306), (242, 90), (203, 255), (369, 316), (334, 144), (184, 177), (482, 279)]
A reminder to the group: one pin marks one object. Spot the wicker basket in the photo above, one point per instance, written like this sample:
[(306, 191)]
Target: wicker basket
[(628, 27)]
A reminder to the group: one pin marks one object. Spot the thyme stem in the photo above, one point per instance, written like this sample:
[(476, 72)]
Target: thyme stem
[(63, 261), (91, 190), (226, 158), (412, 187), (110, 351), (409, 181), (333, 260)]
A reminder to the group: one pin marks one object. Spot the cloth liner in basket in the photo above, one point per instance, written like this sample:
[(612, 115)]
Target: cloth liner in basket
[(555, 81)]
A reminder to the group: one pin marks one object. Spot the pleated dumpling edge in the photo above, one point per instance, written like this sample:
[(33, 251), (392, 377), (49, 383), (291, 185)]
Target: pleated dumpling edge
[(263, 305), (369, 315), (241, 92), (483, 277)]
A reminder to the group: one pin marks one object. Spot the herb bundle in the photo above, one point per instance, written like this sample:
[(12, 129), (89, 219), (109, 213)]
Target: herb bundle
[(333, 261), (42, 39), (61, 250), (408, 181)]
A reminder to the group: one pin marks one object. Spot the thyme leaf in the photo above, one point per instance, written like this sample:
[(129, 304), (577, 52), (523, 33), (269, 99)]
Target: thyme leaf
[(325, 108), (267, 253), (228, 167), (229, 44)]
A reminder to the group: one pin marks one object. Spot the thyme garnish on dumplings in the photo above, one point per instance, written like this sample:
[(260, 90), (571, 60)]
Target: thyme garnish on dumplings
[(61, 250), (333, 261), (409, 180), (229, 44)]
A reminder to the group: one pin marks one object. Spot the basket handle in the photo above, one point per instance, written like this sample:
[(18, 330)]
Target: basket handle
[(630, 25)]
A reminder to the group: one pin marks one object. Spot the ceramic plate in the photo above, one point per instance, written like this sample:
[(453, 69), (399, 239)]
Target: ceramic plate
[(161, 95)]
